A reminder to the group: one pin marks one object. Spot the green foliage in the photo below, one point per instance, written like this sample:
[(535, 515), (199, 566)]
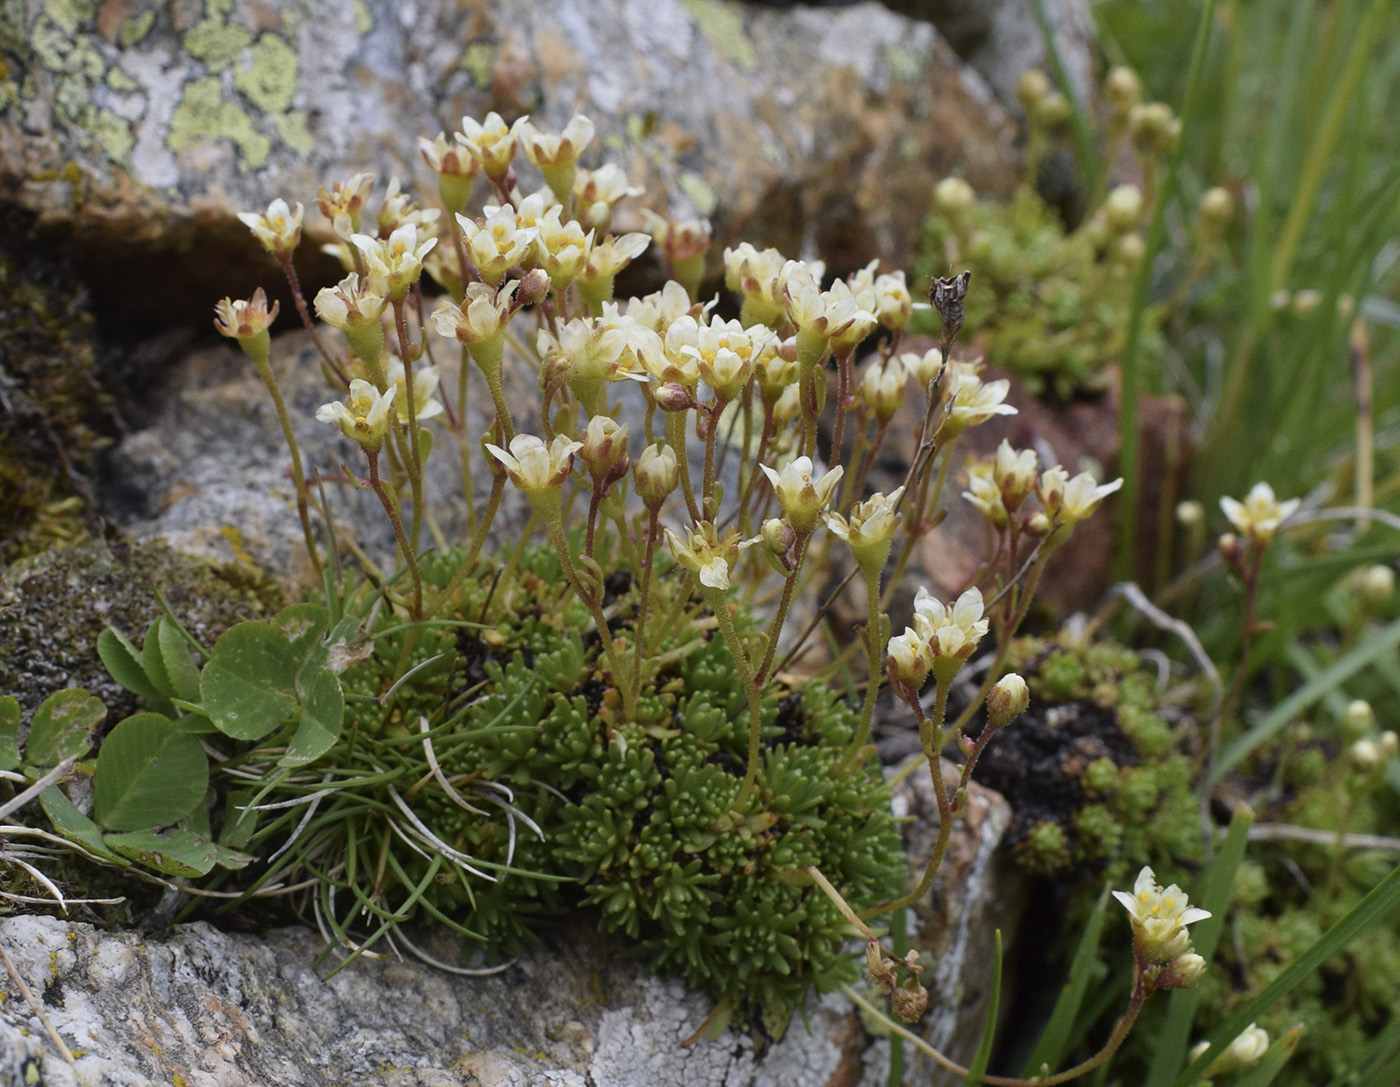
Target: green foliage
[(1049, 304), (1100, 780)]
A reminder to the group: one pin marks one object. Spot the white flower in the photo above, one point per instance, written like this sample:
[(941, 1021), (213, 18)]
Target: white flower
[(907, 658), (533, 466), (484, 313), (952, 630), (707, 554), (349, 305), (984, 493), (561, 248), (1082, 496), (279, 228), (392, 264), (497, 244), (611, 255), (364, 417), (1260, 514), (924, 367), (972, 400), (882, 387), (1159, 918), (425, 384), (870, 526), (343, 203), (1014, 474), (801, 497), (597, 192), (544, 149), (490, 142), (1244, 1052), (724, 352)]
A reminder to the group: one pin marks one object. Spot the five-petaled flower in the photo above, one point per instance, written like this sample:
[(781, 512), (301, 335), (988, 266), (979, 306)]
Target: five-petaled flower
[(278, 228), (1260, 514), (1159, 918), (365, 416), (952, 630), (708, 554), (801, 497), (533, 466)]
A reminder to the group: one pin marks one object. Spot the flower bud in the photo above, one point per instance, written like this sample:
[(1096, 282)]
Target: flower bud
[(1306, 301), (1032, 89), (778, 536), (1052, 111), (1357, 719), (672, 396), (605, 449), (1130, 249), (656, 473), (1039, 525), (1229, 548), (1154, 128), (1007, 700), (1190, 513), (247, 322), (1365, 756), (1183, 972), (1123, 89), (1389, 744), (1216, 208), (1123, 208), (534, 286), (954, 197)]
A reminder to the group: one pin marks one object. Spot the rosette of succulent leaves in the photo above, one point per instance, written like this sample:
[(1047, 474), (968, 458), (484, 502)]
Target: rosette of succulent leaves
[(607, 708)]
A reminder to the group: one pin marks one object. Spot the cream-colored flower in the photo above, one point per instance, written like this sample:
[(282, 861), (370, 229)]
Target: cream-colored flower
[(348, 305), (679, 240), (708, 554), (545, 149), (1260, 514), (1014, 473), (485, 312), (1159, 918), (952, 630), (490, 142), (657, 310), (758, 276), (497, 244), (343, 203), (278, 228), (1244, 1052), (972, 400), (561, 248), (983, 492), (364, 416), (245, 319), (392, 264), (1082, 496), (907, 659), (894, 306), (533, 466), (611, 255), (425, 386), (801, 497), (775, 368), (597, 192), (924, 367), (724, 352), (870, 526), (882, 387), (399, 209)]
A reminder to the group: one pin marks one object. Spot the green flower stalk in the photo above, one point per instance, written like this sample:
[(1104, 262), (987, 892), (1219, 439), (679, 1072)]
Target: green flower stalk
[(248, 323)]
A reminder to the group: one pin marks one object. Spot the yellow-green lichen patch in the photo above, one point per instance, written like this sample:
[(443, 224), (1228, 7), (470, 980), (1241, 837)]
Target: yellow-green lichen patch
[(213, 40), (698, 191), (70, 14), (906, 65), (364, 21), (269, 78), (478, 58), (722, 24), (114, 135), (291, 128), (120, 82), (203, 114), (135, 28)]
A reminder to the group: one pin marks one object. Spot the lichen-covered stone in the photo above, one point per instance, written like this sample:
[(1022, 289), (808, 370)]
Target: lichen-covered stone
[(135, 131)]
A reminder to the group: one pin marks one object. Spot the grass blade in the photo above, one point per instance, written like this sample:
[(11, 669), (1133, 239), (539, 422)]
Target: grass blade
[(1056, 1035), (978, 1068)]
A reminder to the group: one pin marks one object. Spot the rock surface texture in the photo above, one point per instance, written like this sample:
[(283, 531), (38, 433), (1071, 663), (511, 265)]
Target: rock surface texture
[(206, 1008), (134, 131)]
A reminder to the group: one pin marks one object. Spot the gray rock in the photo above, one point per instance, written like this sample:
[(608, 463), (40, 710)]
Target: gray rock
[(133, 132)]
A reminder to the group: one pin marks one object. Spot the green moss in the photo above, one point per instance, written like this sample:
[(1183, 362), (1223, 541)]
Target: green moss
[(269, 79), (121, 82), (203, 113)]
